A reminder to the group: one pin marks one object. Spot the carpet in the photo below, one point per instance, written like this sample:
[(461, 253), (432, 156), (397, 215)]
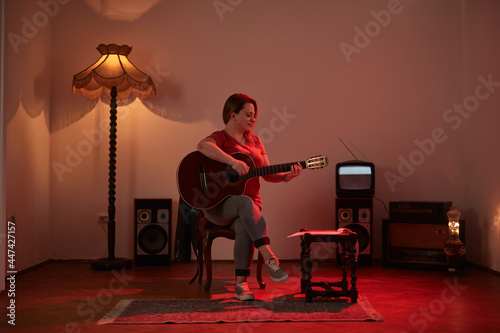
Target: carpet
[(176, 311)]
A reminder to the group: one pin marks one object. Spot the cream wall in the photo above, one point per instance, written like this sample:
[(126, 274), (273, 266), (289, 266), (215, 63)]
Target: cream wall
[(478, 135), (26, 117), (387, 96)]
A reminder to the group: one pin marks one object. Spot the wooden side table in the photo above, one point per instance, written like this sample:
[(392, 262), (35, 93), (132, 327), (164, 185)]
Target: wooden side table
[(347, 240)]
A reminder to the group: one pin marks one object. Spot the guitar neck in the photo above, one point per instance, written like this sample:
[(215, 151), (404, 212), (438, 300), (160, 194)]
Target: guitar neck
[(272, 169)]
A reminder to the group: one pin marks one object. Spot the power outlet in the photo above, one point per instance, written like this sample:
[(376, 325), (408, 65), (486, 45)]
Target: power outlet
[(102, 218)]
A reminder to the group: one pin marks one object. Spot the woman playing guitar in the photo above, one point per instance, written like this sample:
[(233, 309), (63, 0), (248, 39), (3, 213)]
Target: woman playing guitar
[(244, 211)]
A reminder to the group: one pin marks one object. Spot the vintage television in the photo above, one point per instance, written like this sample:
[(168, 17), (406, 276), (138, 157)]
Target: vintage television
[(355, 179)]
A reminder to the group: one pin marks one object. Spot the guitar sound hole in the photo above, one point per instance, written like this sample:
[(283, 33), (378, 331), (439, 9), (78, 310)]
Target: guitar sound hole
[(232, 176)]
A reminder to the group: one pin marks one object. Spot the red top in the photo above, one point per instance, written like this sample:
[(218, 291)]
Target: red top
[(253, 148)]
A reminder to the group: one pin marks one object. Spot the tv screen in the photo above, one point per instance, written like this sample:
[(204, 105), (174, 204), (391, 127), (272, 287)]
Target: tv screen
[(355, 179)]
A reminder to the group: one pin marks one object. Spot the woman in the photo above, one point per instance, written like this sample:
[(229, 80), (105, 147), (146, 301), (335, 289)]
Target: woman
[(243, 211)]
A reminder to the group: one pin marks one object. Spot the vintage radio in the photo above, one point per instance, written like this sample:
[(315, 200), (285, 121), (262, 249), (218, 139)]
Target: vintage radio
[(415, 244), (423, 211)]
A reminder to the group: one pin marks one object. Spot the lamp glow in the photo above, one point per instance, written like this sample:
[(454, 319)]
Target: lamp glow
[(454, 248)]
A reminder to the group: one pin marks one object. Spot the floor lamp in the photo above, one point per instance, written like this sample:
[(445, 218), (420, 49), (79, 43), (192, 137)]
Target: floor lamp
[(114, 75)]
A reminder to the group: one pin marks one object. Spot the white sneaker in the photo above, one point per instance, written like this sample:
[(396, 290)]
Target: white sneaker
[(243, 293)]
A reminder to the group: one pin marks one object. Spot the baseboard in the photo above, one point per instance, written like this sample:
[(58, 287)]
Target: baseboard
[(48, 261), (483, 268), (31, 268)]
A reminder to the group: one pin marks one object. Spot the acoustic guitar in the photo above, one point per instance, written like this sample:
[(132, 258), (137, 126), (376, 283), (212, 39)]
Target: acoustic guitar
[(203, 182)]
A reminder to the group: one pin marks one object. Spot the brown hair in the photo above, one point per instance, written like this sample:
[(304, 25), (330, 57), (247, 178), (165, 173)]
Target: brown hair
[(235, 103)]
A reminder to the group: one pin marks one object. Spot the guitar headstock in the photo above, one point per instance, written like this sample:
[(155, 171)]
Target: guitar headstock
[(316, 162)]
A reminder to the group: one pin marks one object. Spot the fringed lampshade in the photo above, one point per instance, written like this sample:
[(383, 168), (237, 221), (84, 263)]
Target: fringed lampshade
[(114, 75), (113, 69)]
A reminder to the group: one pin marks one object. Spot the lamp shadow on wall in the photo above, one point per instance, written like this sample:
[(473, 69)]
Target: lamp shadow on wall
[(168, 93), (42, 91), (120, 10), (73, 107), (27, 95)]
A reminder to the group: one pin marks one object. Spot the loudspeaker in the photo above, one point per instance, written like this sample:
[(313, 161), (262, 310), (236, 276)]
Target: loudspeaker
[(152, 232), (416, 244), (356, 214)]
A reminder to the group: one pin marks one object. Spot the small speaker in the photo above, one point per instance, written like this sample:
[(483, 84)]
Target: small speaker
[(163, 216), (344, 215), (152, 232), (144, 216), (364, 215), (356, 214)]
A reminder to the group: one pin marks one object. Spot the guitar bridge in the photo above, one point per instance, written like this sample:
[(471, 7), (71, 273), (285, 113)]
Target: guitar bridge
[(203, 179)]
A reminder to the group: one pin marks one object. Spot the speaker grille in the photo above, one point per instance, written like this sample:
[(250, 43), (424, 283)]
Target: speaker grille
[(363, 235), (152, 239)]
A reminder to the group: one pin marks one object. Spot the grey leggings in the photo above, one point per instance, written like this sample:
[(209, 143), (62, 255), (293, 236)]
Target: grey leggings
[(248, 224)]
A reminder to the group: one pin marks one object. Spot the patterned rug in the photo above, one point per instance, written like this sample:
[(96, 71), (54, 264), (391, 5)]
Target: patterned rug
[(174, 311)]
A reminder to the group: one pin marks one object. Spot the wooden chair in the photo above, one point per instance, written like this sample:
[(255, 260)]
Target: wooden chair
[(207, 232)]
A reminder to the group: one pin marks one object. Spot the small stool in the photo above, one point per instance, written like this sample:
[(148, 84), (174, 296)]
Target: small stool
[(347, 239), (207, 232)]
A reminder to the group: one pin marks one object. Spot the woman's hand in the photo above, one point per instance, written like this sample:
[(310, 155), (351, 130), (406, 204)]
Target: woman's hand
[(209, 148), (295, 172), (239, 166)]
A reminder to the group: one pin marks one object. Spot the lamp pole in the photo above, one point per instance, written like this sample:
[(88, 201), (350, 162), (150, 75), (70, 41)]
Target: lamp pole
[(111, 262), (112, 176)]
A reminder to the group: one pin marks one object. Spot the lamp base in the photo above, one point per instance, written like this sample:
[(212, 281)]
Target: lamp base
[(105, 264)]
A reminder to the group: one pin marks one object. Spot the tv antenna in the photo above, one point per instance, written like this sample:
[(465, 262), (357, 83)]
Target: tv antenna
[(348, 149)]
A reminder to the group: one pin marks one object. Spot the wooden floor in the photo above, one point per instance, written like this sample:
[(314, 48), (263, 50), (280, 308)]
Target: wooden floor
[(69, 296)]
